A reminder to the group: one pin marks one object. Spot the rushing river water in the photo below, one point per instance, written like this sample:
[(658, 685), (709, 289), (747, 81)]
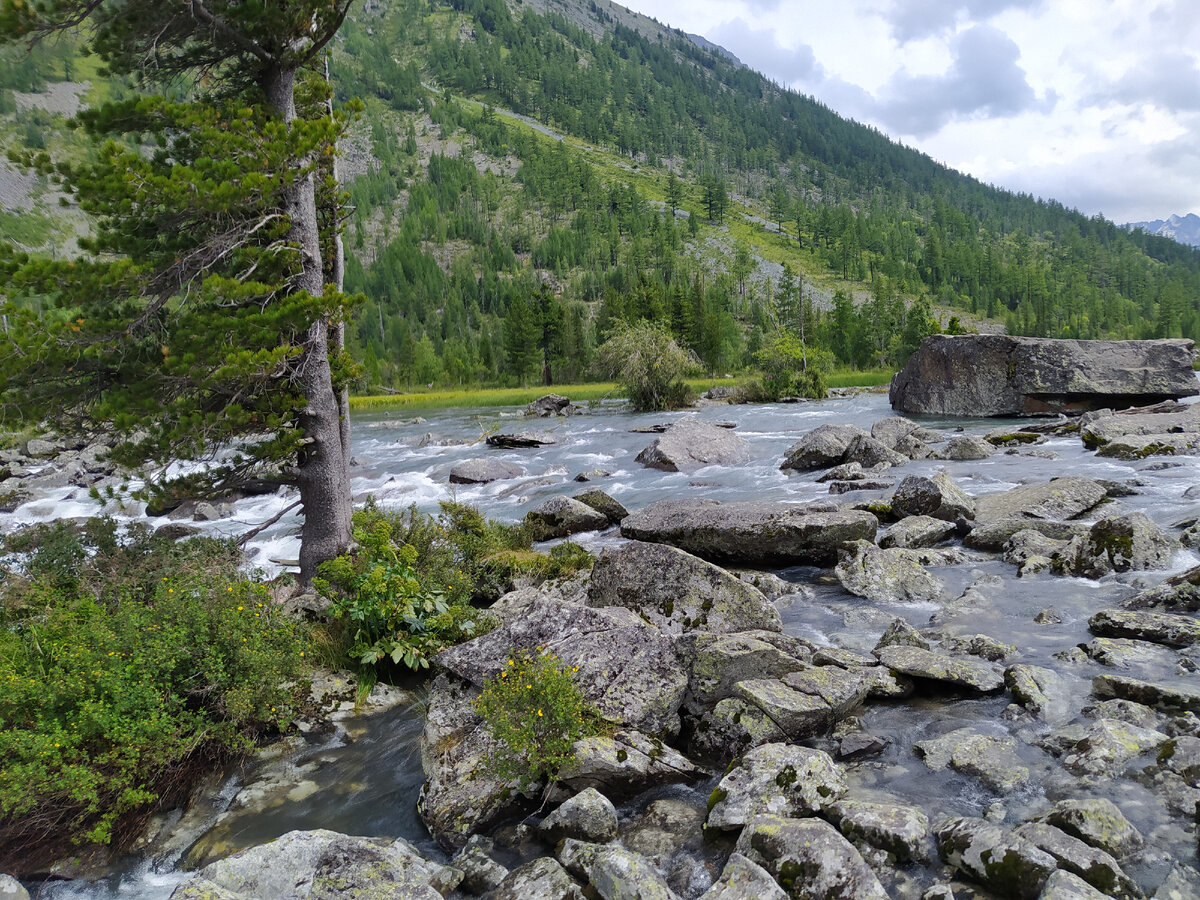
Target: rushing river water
[(366, 781)]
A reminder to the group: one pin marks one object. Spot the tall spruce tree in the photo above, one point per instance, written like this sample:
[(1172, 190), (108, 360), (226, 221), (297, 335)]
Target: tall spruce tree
[(213, 323)]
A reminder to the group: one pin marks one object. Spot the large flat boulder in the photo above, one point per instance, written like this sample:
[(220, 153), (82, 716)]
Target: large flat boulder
[(1001, 375), (751, 532), (690, 444)]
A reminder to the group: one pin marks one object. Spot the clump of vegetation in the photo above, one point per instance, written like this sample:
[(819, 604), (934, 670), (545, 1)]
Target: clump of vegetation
[(129, 667), (646, 360), (791, 368), (410, 587), (536, 712)]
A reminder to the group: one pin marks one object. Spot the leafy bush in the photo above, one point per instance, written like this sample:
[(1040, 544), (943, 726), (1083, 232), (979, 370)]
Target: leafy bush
[(536, 712), (648, 362), (128, 668), (790, 368)]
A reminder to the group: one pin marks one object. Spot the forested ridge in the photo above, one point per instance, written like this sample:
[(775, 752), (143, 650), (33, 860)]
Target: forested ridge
[(685, 189)]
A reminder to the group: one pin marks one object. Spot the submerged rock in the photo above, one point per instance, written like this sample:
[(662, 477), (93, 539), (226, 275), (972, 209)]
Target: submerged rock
[(1002, 375), (750, 532), (678, 592), (691, 444), (990, 758)]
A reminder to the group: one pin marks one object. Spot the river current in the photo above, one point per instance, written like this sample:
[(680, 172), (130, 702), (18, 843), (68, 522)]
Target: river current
[(365, 779)]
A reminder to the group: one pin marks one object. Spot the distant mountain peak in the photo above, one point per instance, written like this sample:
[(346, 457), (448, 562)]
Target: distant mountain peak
[(1183, 229)]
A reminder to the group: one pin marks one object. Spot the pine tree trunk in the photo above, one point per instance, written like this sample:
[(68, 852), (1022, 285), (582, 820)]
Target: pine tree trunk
[(324, 478)]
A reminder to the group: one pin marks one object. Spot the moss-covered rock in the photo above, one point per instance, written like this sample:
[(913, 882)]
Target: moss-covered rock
[(809, 859), (1000, 860), (779, 779), (1098, 822)]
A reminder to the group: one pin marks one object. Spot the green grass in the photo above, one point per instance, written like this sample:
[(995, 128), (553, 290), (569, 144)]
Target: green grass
[(579, 393)]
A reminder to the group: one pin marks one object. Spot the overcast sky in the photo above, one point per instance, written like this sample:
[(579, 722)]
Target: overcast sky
[(1095, 103)]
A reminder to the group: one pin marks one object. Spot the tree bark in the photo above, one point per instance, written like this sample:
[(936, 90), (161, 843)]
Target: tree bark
[(324, 478)]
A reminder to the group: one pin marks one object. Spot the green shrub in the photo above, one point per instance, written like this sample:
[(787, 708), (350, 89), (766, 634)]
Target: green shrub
[(646, 360), (536, 712), (790, 368), (127, 669)]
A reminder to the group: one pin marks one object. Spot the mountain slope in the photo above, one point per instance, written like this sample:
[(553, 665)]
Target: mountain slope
[(1183, 229)]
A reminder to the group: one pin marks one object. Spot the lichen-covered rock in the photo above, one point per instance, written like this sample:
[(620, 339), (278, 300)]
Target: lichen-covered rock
[(322, 865), (1169, 629), (892, 430), (797, 714), (967, 673), (626, 763), (901, 634), (915, 532), (751, 532), (577, 856), (1065, 885), (1177, 594), (843, 690), (998, 859), (1107, 746), (480, 871), (11, 889), (742, 879), (559, 517), (965, 447), (1117, 544), (665, 827), (1095, 867), (869, 453), (690, 444), (549, 405), (1137, 425), (1160, 695), (618, 874), (717, 662), (821, 448), (1095, 821), (1183, 883), (902, 831), (938, 497), (993, 536), (543, 878), (678, 592), (990, 758), (1003, 375), (1058, 500), (1030, 544), (483, 471), (1182, 756), (730, 728), (886, 576), (602, 503), (1041, 691), (588, 816), (809, 859), (777, 779)]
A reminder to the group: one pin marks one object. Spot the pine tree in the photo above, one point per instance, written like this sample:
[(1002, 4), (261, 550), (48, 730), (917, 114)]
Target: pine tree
[(222, 292)]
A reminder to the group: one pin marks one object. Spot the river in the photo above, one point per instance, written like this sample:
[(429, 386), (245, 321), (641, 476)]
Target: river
[(365, 781)]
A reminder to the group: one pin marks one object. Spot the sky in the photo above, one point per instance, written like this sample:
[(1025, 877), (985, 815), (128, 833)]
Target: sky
[(1094, 103)]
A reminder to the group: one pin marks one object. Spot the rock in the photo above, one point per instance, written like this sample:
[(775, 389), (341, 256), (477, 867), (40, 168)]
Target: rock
[(964, 447), (549, 405), (592, 475), (677, 592), (605, 505), (751, 532), (1003, 437), (901, 634), (821, 448), (1160, 628), (1140, 425), (11, 889), (1117, 544), (691, 444), (481, 873), (851, 471), (981, 645), (777, 779), (990, 758), (846, 487), (1041, 691), (892, 430), (844, 691), (1183, 883), (664, 828), (1124, 711), (1000, 860), (1058, 500), (886, 576), (577, 857), (870, 453), (321, 865), (1048, 616), (1106, 746), (718, 662), (1064, 885), (1095, 867), (1155, 694), (902, 831), (1141, 446), (809, 859), (1179, 594), (618, 874), (744, 880), (994, 536), (916, 532), (861, 745), (559, 517), (626, 763), (938, 497), (543, 878), (483, 471), (522, 440), (965, 673), (588, 816), (797, 714), (732, 727), (1028, 545), (627, 670), (1097, 822), (1001, 375), (1182, 756)]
